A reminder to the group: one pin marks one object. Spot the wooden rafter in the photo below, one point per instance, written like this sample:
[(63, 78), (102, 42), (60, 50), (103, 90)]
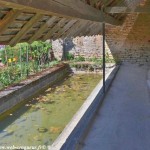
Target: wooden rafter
[(86, 30), (81, 28), (74, 29), (127, 10), (8, 18), (66, 8), (59, 25), (71, 29), (96, 30), (42, 29), (25, 29), (65, 28)]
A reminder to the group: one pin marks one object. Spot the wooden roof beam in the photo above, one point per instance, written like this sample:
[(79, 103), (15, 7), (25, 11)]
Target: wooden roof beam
[(43, 29), (85, 31), (25, 29), (52, 31), (98, 30), (65, 28), (75, 29), (62, 8), (80, 29), (117, 9), (8, 18)]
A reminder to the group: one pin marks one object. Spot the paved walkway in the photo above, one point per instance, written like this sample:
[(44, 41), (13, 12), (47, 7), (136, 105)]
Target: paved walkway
[(123, 122)]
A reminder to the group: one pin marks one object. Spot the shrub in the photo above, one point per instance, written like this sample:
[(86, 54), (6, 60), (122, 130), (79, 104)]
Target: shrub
[(79, 58), (69, 56)]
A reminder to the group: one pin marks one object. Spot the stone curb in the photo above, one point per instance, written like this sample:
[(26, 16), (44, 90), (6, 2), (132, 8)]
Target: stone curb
[(12, 96), (75, 130)]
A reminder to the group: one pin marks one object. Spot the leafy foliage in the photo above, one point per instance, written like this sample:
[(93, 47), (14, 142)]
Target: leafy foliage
[(24, 59), (79, 58), (69, 56)]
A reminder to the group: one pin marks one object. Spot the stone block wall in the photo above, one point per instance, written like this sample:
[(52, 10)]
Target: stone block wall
[(88, 47), (131, 41)]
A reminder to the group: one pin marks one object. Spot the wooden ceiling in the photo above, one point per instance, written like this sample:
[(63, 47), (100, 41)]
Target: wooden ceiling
[(30, 20), (102, 4), (20, 26)]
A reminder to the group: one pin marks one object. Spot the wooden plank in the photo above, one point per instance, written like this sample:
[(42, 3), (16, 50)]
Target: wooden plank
[(142, 10), (25, 29), (4, 42), (13, 29), (8, 18), (51, 32), (6, 36), (97, 29), (85, 31), (118, 9), (91, 32), (65, 28), (106, 2), (74, 29), (63, 8), (43, 29), (81, 30), (113, 10)]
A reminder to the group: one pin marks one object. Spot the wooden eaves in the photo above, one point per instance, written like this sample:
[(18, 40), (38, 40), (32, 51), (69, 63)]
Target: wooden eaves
[(123, 9), (30, 20), (74, 9)]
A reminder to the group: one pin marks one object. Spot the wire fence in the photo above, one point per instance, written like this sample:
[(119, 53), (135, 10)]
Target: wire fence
[(23, 60)]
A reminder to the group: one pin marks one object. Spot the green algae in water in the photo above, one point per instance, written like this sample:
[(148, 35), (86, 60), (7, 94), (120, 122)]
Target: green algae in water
[(43, 118)]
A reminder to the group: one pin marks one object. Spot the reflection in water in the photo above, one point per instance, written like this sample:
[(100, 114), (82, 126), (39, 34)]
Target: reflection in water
[(42, 119)]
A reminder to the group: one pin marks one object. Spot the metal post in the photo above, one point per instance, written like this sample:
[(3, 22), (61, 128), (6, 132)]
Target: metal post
[(20, 60), (38, 61), (64, 49), (104, 61), (27, 59)]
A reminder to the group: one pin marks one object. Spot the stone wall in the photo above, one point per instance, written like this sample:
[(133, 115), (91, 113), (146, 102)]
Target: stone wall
[(131, 41), (88, 47)]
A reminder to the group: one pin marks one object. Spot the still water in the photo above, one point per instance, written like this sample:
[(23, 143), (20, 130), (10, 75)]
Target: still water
[(43, 118)]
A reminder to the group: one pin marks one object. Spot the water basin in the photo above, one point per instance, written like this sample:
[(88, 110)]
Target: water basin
[(40, 120)]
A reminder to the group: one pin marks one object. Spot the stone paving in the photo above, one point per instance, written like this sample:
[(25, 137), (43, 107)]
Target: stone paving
[(123, 121)]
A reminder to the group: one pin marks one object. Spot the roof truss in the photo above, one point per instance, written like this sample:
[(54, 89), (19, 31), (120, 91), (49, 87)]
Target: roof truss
[(66, 8), (121, 9)]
